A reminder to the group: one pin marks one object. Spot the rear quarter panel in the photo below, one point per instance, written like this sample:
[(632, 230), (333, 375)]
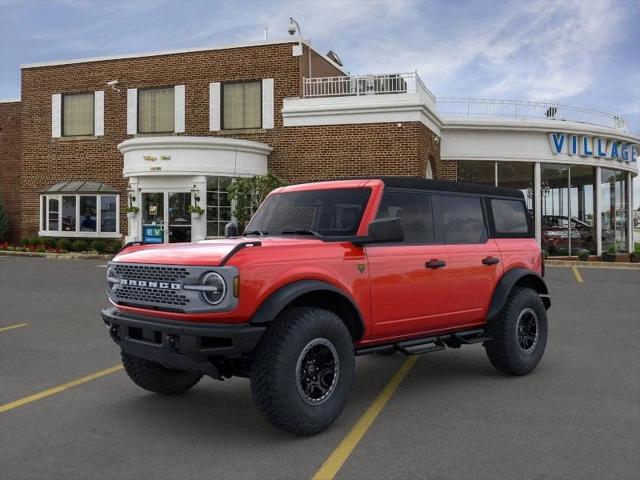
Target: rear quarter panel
[(520, 253)]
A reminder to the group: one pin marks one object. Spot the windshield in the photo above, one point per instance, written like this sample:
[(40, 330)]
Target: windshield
[(332, 212)]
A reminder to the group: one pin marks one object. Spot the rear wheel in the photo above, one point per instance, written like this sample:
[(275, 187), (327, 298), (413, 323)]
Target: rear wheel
[(156, 378), (303, 370), (518, 333)]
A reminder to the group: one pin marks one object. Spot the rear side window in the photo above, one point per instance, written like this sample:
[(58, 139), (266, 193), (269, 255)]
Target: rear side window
[(414, 211), (509, 216), (462, 219)]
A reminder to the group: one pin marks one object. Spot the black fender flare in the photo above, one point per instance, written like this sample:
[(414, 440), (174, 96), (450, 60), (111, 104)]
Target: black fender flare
[(520, 277), (282, 297)]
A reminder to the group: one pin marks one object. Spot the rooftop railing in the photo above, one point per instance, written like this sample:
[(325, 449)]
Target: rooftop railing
[(356, 85), (398, 83), (477, 107)]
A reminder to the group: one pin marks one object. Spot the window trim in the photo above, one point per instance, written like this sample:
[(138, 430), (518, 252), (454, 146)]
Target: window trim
[(93, 115), (165, 87), (78, 233), (234, 82)]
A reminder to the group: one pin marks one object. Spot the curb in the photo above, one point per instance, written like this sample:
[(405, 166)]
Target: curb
[(58, 256), (603, 265)]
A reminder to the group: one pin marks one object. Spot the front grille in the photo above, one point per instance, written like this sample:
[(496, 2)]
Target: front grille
[(154, 273), (132, 294)]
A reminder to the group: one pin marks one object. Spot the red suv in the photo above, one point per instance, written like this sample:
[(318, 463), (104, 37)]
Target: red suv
[(325, 272)]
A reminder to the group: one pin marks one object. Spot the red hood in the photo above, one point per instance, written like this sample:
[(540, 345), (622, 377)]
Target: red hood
[(205, 253)]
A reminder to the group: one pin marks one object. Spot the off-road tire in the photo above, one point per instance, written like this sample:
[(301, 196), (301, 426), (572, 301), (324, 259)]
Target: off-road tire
[(275, 376), (504, 350), (156, 378)]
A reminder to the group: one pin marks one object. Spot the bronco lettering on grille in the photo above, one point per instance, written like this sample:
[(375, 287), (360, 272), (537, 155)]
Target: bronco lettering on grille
[(150, 284)]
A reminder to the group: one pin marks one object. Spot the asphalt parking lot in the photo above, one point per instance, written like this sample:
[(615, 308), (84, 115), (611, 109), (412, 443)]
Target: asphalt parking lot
[(452, 416)]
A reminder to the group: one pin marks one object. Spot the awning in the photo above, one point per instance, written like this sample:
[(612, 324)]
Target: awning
[(80, 186)]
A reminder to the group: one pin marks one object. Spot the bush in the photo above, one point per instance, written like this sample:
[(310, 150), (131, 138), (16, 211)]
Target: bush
[(26, 242), (113, 246), (4, 223), (99, 246), (247, 193), (583, 254), (80, 245), (35, 241), (65, 244), (48, 242)]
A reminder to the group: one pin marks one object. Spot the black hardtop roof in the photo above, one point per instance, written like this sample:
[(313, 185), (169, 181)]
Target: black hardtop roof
[(419, 183)]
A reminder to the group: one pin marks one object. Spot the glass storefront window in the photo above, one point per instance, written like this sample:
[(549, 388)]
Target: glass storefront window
[(518, 175), (555, 208), (614, 209), (218, 205), (582, 209), (69, 213), (481, 172)]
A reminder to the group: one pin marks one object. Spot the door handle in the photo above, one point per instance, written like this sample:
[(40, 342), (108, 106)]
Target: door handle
[(490, 260), (435, 264)]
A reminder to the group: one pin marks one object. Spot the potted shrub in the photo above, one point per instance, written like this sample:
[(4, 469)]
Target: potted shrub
[(132, 211), (583, 255), (635, 256), (610, 255), (196, 211)]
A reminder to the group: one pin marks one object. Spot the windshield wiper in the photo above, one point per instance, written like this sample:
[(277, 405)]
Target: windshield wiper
[(255, 232), (301, 231)]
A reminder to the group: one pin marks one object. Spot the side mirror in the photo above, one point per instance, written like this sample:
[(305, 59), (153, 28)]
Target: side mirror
[(384, 230), (231, 230)]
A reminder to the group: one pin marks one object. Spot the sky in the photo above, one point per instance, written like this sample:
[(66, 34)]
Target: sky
[(576, 52)]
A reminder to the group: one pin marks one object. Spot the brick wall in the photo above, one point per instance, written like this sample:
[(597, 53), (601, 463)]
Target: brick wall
[(10, 162), (299, 153)]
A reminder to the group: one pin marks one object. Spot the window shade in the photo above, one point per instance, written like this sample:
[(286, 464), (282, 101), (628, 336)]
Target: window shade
[(77, 114), (242, 105), (156, 110)]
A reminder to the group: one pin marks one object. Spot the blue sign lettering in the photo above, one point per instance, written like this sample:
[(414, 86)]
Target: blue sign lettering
[(152, 234)]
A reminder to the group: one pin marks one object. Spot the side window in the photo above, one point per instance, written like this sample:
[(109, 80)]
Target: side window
[(462, 219), (509, 216), (413, 210)]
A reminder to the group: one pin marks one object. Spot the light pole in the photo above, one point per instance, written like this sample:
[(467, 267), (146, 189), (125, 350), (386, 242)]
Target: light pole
[(293, 28)]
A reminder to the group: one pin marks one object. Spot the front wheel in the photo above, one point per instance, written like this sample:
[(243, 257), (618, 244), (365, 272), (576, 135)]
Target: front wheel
[(303, 369), (518, 333)]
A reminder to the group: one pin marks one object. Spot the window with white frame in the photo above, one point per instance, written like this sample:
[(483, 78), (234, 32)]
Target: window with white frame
[(242, 105), (218, 205), (80, 209), (78, 114), (156, 110)]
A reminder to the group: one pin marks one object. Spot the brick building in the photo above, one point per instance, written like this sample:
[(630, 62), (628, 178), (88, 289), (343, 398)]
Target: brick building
[(162, 131)]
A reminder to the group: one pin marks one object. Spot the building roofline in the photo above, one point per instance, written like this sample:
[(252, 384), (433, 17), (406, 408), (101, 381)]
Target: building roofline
[(10, 100), (172, 52)]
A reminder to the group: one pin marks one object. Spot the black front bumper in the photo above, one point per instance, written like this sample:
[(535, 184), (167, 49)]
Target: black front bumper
[(181, 345)]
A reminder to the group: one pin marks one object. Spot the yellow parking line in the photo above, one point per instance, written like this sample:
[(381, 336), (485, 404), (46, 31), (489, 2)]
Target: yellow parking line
[(11, 327), (60, 388), (577, 274), (334, 463)]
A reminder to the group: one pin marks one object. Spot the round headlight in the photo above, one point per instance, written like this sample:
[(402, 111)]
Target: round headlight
[(215, 288)]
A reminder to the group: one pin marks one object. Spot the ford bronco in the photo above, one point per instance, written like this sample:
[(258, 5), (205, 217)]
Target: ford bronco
[(325, 272)]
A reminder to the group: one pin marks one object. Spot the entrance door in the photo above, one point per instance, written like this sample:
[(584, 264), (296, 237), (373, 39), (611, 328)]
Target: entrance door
[(179, 217), (153, 217), (165, 217)]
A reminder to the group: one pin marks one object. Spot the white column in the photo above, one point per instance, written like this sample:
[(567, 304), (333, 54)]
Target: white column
[(537, 200), (630, 211), (598, 212), (134, 224), (199, 226)]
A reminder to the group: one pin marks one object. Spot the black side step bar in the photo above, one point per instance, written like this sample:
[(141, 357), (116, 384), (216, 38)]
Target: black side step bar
[(418, 346)]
